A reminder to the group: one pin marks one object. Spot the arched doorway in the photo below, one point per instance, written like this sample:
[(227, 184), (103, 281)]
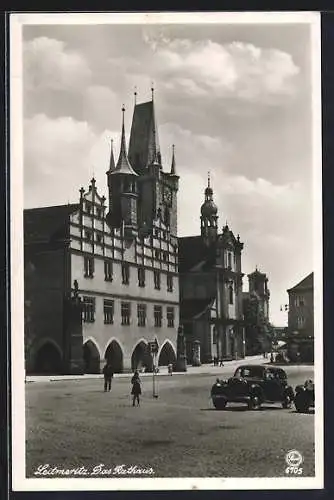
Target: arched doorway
[(91, 357), (141, 357), (114, 356), (167, 355), (48, 359)]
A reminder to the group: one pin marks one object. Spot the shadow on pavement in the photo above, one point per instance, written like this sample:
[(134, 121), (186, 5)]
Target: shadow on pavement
[(309, 412)]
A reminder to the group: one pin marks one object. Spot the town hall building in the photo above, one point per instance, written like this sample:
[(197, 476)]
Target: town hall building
[(101, 276)]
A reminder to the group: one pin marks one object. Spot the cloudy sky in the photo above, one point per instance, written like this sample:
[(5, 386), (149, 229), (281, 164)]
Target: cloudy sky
[(234, 99)]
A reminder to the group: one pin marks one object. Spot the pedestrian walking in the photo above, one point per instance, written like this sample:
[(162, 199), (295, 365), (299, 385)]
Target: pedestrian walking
[(136, 388), (221, 362), (170, 369), (108, 376)]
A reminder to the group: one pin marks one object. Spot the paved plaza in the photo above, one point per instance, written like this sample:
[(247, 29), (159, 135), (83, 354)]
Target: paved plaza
[(73, 423)]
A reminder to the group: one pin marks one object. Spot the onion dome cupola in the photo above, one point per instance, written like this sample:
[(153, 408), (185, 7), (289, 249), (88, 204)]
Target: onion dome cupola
[(209, 218)]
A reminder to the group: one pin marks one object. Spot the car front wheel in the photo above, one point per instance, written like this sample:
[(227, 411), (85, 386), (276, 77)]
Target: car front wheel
[(301, 404), (219, 404), (254, 403)]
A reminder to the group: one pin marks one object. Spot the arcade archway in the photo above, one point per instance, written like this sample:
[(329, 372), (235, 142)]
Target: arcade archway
[(167, 355), (141, 357), (48, 359), (114, 356), (91, 357)]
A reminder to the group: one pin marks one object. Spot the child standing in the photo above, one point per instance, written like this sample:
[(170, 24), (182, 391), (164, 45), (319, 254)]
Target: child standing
[(136, 388)]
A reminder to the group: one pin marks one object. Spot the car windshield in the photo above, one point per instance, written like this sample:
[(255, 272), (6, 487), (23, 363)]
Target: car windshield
[(249, 372), (276, 374)]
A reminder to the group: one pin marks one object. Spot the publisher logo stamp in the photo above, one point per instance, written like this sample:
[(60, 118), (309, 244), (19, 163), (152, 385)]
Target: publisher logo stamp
[(294, 459)]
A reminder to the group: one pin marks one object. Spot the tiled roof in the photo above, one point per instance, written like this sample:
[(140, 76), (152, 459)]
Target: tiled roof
[(144, 140), (44, 224), (193, 307), (306, 283), (192, 251)]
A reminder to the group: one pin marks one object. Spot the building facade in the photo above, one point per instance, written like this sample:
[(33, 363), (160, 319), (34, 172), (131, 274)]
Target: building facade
[(211, 289), (301, 320), (119, 260)]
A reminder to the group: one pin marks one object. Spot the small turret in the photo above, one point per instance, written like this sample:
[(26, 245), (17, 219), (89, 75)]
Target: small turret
[(123, 191), (209, 218)]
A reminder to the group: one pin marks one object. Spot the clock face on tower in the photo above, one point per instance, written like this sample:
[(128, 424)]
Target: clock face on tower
[(168, 196)]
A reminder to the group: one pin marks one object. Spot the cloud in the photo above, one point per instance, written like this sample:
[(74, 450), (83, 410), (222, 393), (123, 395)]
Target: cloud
[(60, 155), (237, 69), (49, 64)]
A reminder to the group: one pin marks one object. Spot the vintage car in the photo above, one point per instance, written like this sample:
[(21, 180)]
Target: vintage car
[(304, 398), (254, 385)]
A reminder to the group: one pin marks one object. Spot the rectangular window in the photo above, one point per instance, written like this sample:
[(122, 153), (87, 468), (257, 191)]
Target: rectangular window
[(170, 317), (88, 309), (169, 283), (108, 270), (98, 238), (157, 254), (125, 274), (126, 312), (157, 280), (158, 316), (98, 212), (88, 267), (141, 313), (229, 257), (141, 276), (88, 207), (230, 290), (108, 307), (88, 235)]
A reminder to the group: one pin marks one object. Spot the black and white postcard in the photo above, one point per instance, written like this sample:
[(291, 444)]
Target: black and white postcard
[(166, 251)]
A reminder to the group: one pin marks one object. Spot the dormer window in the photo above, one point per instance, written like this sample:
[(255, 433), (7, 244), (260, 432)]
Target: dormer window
[(88, 208), (98, 212)]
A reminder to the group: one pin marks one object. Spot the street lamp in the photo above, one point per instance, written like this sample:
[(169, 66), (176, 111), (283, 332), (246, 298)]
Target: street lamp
[(154, 350)]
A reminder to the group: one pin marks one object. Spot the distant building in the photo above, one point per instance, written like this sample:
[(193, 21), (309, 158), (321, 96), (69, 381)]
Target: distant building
[(120, 261), (301, 308), (301, 320), (256, 313), (211, 289), (280, 332)]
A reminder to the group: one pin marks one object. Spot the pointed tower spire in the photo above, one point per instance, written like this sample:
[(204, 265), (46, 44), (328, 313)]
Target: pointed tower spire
[(112, 160), (209, 179), (173, 167), (123, 165)]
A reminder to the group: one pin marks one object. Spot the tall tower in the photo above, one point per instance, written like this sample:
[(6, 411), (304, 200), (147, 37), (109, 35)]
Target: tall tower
[(123, 193), (258, 283), (157, 189), (209, 218)]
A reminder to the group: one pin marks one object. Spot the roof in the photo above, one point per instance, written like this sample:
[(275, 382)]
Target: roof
[(257, 273), (305, 284), (123, 165), (192, 251), (44, 224), (190, 308), (144, 140)]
